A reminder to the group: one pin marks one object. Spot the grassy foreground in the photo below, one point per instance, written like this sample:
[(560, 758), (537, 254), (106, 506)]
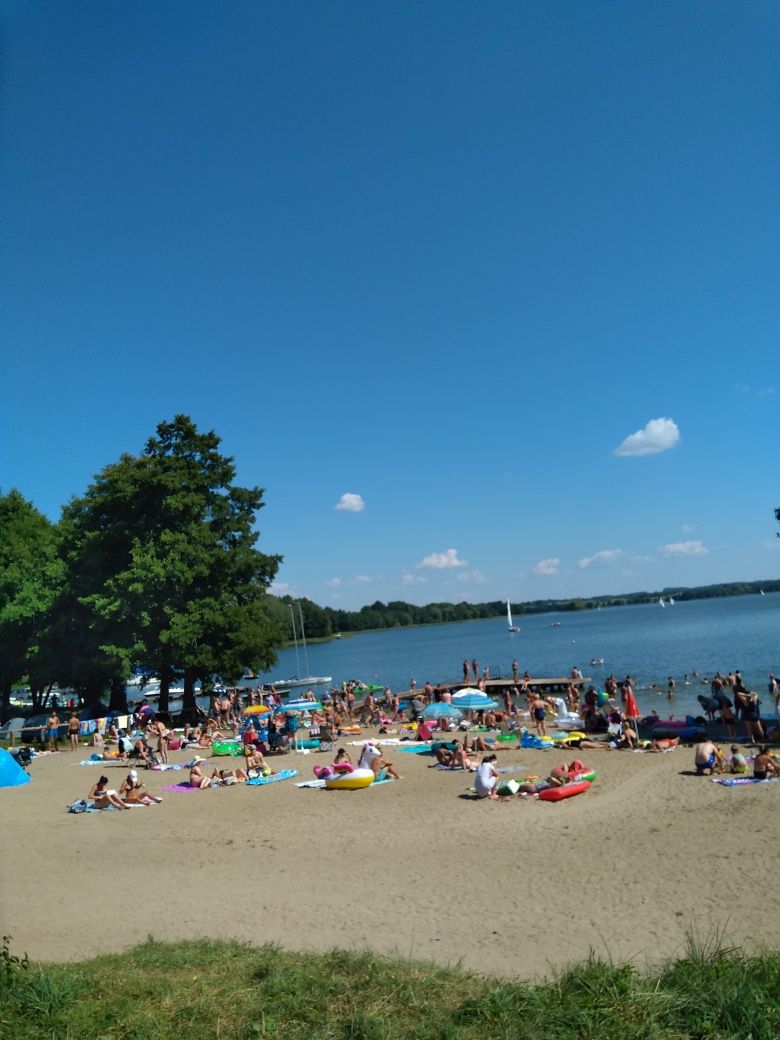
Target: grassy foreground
[(230, 991)]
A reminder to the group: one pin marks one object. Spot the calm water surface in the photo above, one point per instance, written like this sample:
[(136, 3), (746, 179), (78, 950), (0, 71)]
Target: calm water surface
[(646, 641)]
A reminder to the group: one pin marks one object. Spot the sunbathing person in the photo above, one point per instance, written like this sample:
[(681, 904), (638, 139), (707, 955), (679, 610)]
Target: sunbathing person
[(255, 761), (103, 797), (456, 758), (480, 743), (557, 778), (228, 777), (372, 758), (584, 743), (197, 777), (134, 792)]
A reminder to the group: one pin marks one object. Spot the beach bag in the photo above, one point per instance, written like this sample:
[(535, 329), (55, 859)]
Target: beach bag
[(508, 787), (79, 806)]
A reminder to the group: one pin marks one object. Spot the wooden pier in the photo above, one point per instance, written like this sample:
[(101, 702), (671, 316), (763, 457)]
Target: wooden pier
[(556, 684)]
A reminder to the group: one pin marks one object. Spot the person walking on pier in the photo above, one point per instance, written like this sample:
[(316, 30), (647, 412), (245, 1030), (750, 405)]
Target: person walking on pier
[(515, 670), (466, 672)]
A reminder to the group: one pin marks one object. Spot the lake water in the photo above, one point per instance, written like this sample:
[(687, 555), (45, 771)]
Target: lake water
[(646, 641)]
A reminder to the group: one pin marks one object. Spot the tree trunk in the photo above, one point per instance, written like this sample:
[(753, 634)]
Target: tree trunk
[(188, 701), (165, 685), (118, 701), (5, 703)]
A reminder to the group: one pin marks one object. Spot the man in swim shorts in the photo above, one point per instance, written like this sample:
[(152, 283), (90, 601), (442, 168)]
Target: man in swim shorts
[(708, 758)]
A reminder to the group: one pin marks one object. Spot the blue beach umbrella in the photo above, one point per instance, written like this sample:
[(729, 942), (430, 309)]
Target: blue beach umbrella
[(468, 700), (440, 710)]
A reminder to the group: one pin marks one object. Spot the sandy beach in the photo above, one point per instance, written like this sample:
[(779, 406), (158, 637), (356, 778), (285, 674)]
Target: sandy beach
[(416, 867)]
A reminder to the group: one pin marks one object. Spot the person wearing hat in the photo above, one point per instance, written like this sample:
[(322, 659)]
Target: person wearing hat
[(134, 792), (197, 777)]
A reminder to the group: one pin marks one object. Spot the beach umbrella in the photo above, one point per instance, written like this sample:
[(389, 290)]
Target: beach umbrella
[(440, 710), (469, 690), (473, 701), (256, 709), (293, 707)]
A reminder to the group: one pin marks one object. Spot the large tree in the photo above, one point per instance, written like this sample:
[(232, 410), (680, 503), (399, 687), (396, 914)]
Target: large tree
[(30, 574), (163, 546)]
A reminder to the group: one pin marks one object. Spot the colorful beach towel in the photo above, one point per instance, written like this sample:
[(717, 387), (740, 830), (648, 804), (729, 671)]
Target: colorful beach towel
[(741, 781), (260, 781)]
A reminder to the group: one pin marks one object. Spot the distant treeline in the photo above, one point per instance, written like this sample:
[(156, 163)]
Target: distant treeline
[(321, 622)]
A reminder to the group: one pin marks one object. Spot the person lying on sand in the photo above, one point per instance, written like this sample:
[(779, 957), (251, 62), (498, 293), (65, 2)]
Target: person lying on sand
[(558, 777), (582, 742), (228, 777), (103, 797)]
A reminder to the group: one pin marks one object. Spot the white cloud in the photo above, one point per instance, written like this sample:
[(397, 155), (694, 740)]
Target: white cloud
[(412, 579), (547, 566), (443, 561), (472, 577), (604, 557), (363, 578), (683, 549), (333, 583), (278, 588), (657, 435), (688, 528), (351, 503)]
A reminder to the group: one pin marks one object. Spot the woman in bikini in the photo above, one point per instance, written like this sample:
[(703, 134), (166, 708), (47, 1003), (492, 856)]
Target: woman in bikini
[(103, 797), (134, 792)]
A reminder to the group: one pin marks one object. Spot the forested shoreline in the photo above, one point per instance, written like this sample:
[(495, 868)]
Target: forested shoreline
[(325, 622)]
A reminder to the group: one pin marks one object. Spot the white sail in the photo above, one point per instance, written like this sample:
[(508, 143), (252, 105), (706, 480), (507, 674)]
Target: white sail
[(661, 601), (509, 625)]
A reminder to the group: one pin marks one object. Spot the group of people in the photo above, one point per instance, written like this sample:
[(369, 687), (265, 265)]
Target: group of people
[(709, 759)]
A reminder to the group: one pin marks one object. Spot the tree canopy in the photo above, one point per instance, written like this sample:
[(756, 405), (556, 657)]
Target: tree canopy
[(160, 573), (30, 575)]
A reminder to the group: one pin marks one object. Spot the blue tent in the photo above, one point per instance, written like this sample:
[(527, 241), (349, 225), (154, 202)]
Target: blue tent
[(11, 773)]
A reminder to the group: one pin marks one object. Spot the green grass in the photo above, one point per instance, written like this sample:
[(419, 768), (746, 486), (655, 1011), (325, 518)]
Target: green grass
[(233, 992)]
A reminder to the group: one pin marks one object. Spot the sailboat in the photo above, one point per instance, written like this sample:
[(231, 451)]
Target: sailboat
[(671, 601), (509, 625), (762, 592), (308, 679), (661, 601)]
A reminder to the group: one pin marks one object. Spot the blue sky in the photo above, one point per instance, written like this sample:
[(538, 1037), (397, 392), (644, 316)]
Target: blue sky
[(442, 257)]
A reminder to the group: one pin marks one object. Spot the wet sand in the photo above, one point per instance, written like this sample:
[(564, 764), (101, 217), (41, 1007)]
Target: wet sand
[(417, 867)]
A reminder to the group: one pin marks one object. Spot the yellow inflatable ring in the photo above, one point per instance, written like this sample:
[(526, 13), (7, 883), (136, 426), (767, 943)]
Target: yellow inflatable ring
[(350, 781)]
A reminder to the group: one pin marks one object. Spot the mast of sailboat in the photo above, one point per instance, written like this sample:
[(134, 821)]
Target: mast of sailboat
[(295, 639), (303, 639)]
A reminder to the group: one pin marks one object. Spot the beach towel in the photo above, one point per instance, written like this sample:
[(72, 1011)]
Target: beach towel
[(180, 788), (419, 749), (167, 767), (82, 806), (260, 781), (741, 781)]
